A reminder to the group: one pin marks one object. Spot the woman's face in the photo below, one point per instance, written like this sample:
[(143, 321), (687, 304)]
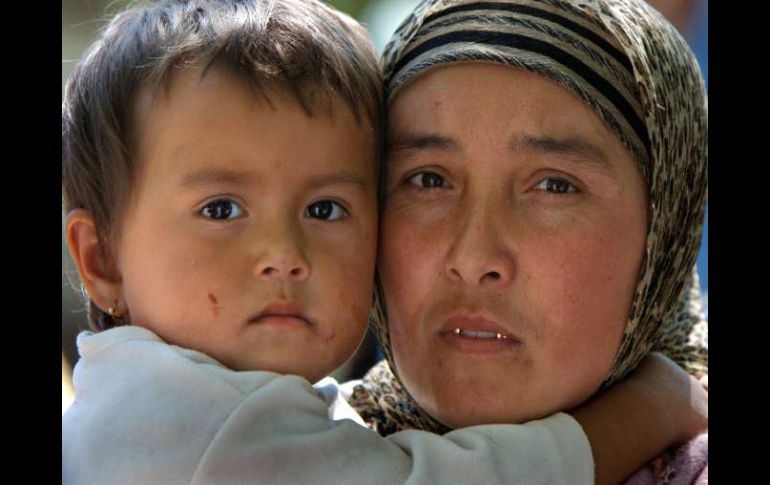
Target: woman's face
[(512, 237)]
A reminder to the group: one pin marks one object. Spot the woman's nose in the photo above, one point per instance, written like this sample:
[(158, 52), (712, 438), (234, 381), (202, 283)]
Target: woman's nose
[(478, 255), (282, 259)]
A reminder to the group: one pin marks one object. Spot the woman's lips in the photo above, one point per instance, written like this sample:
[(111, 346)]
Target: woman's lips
[(477, 334)]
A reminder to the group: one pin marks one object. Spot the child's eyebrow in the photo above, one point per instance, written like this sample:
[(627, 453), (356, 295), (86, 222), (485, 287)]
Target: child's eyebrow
[(221, 176), (337, 179), (212, 176)]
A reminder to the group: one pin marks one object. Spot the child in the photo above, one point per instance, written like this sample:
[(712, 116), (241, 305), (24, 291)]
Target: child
[(219, 178)]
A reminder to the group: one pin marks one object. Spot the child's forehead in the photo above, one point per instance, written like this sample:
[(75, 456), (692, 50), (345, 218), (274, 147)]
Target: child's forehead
[(217, 124), (314, 99)]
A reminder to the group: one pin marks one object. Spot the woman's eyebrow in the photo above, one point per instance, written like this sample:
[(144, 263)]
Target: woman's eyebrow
[(419, 141), (576, 149)]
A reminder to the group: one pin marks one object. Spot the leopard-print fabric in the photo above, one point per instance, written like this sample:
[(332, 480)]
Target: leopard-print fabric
[(684, 337), (666, 314)]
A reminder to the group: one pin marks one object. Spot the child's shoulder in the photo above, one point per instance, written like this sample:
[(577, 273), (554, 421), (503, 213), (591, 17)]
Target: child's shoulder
[(91, 343), (133, 356)]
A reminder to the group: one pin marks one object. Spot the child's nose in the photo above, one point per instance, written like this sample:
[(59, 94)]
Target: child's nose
[(283, 268), (282, 260), (280, 254)]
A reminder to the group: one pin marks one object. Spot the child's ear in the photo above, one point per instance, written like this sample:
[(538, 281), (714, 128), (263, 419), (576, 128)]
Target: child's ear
[(98, 275)]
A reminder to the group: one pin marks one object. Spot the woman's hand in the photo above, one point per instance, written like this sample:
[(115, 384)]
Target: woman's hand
[(683, 396), (658, 406)]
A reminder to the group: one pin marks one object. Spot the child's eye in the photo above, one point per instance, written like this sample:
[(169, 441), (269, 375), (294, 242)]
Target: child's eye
[(222, 209), (427, 180), (327, 210), (555, 185)]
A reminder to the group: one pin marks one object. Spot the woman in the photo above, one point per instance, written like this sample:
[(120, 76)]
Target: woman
[(543, 208)]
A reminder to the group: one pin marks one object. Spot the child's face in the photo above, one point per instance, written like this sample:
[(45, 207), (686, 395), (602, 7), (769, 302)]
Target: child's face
[(251, 231)]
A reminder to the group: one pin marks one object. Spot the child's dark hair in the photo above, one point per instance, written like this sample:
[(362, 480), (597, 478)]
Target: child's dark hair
[(304, 46)]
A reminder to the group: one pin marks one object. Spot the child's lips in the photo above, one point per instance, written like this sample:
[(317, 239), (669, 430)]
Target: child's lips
[(282, 312), (281, 320)]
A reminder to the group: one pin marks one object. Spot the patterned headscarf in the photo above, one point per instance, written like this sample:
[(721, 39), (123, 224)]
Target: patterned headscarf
[(635, 70)]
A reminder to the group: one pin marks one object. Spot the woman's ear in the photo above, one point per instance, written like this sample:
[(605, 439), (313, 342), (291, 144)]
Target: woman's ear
[(98, 274)]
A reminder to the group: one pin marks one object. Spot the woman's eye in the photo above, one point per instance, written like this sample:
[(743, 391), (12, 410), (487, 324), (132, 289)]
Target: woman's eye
[(555, 185), (222, 209), (427, 180), (326, 210)]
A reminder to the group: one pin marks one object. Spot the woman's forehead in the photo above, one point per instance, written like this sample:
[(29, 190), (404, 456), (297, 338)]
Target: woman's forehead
[(446, 106)]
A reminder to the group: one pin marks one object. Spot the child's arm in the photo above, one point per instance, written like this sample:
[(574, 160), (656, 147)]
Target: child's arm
[(287, 438), (182, 418), (147, 412), (290, 439), (634, 421)]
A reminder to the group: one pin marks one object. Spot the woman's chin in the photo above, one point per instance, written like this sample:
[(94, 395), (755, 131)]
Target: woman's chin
[(463, 417), (469, 409)]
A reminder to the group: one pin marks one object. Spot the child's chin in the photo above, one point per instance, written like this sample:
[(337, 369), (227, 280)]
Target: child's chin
[(311, 375)]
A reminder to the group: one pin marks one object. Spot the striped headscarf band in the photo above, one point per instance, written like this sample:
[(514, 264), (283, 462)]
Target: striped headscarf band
[(536, 36)]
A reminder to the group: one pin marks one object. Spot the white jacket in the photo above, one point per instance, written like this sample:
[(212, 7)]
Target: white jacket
[(146, 412)]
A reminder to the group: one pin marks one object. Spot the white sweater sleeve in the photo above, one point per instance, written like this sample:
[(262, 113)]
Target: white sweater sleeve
[(148, 413), (281, 434)]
